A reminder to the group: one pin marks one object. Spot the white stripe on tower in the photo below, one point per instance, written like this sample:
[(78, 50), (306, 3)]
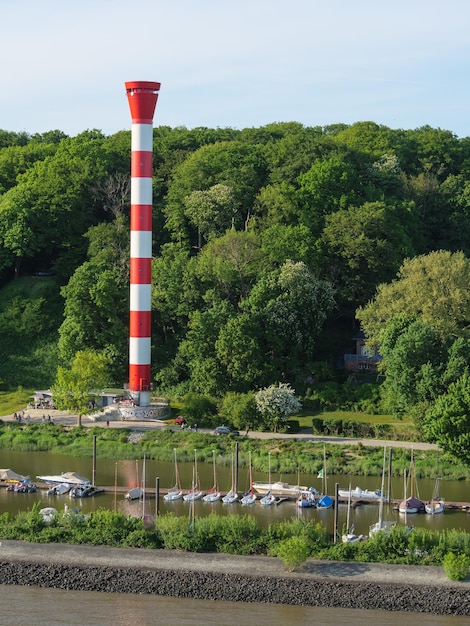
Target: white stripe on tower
[(142, 97)]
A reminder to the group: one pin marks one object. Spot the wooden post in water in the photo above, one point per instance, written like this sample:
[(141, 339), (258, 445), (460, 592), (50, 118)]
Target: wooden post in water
[(115, 487), (389, 479), (236, 467), (94, 462), (336, 513), (157, 496)]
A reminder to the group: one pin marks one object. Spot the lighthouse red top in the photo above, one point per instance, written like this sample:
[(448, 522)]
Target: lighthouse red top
[(142, 96)]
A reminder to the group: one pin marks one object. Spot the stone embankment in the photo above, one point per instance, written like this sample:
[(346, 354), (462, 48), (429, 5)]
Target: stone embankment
[(225, 577)]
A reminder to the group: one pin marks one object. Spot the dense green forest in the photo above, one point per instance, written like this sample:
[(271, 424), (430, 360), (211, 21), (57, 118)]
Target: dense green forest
[(273, 247)]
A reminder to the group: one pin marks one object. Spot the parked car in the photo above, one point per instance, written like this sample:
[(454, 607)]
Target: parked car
[(222, 430), (180, 420)]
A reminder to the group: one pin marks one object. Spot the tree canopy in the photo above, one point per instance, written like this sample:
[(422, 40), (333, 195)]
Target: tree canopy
[(272, 246)]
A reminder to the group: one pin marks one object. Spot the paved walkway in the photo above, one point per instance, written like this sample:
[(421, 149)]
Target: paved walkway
[(224, 564), (67, 419)]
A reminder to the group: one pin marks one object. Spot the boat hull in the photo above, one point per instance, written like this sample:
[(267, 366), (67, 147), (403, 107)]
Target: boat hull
[(279, 489)]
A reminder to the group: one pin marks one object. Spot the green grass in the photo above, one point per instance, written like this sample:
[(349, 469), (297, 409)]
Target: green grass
[(14, 401)]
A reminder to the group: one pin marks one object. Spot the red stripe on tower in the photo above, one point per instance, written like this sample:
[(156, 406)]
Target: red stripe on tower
[(142, 97)]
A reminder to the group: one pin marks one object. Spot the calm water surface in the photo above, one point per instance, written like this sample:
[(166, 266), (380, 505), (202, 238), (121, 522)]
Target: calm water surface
[(23, 606), (26, 605), (129, 474)]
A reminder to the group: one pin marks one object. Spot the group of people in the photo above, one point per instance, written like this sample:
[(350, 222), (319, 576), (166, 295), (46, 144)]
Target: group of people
[(21, 417)]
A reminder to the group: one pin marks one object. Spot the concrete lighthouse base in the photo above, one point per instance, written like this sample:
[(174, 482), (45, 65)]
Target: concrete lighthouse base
[(157, 411)]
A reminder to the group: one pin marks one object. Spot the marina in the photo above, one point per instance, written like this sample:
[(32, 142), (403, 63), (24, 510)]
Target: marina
[(114, 479)]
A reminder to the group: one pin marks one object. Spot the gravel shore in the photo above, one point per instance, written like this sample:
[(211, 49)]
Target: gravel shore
[(234, 578)]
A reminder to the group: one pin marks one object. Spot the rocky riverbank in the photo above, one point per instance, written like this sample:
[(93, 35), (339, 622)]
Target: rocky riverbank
[(225, 577)]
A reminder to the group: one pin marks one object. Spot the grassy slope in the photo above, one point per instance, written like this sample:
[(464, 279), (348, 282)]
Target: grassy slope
[(31, 311)]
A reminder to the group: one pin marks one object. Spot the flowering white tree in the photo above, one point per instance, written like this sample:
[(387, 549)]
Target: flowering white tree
[(277, 403)]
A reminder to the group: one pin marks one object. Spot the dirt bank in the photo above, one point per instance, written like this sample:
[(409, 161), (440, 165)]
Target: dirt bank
[(234, 578)]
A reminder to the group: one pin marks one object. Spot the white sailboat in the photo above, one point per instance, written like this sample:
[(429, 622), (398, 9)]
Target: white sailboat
[(135, 493), (213, 495), (195, 493), (175, 493), (232, 496), (325, 501), (250, 495), (269, 499), (381, 525), (436, 504), (349, 536)]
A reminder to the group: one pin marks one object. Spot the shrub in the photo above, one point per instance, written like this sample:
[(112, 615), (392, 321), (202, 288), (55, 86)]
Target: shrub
[(456, 566), (293, 552)]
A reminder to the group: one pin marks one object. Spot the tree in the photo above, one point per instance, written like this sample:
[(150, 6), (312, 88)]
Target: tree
[(330, 184), (73, 386), (240, 410), (292, 305), (447, 423), (276, 404), (412, 359), (362, 247), (228, 266), (233, 164), (433, 287), (212, 212)]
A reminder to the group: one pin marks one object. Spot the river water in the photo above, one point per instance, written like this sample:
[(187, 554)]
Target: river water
[(21, 605), (126, 474)]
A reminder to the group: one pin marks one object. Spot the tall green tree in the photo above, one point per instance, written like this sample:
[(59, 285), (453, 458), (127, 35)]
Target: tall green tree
[(362, 247), (434, 287), (447, 422), (73, 387)]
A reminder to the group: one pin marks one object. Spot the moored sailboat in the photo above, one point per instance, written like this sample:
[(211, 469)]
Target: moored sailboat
[(232, 496), (325, 501), (195, 492), (381, 525), (250, 496), (213, 495), (175, 493)]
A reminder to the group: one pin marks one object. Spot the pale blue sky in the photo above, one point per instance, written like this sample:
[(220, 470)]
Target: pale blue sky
[(242, 63)]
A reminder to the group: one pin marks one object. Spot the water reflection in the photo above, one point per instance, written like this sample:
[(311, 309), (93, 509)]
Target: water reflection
[(128, 473)]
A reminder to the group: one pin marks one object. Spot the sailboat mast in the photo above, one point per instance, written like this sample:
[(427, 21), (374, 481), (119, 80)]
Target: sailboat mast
[(143, 489)]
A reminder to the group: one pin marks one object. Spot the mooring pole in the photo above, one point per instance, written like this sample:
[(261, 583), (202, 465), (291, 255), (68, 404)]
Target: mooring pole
[(236, 467), (157, 496), (94, 461), (336, 513)]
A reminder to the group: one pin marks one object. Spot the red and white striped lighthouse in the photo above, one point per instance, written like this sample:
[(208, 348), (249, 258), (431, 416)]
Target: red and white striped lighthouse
[(142, 97)]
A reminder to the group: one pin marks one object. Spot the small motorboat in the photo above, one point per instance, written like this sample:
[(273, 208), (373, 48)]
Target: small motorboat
[(82, 491), (24, 486), (135, 493), (306, 499), (59, 490), (360, 494)]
